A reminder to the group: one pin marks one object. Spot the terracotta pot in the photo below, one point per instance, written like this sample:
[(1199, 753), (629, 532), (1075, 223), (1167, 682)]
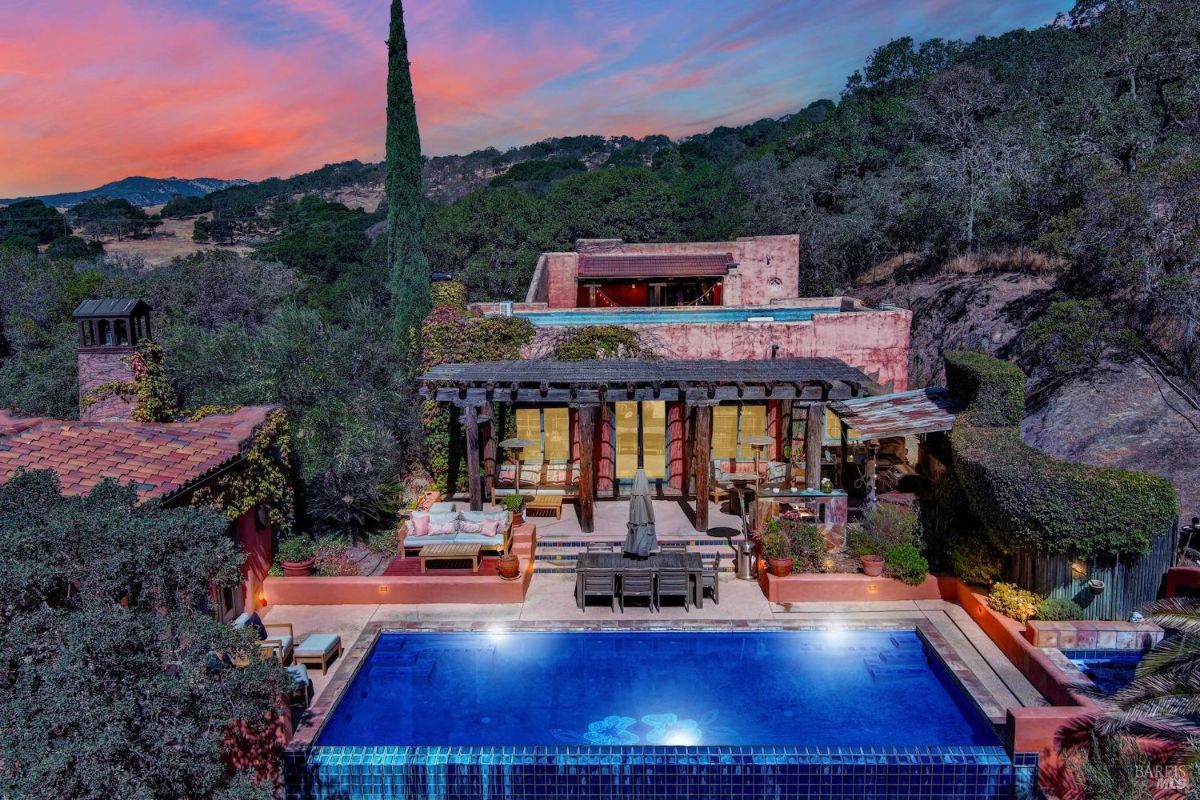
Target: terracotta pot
[(872, 566), (509, 567), (779, 567), (299, 569)]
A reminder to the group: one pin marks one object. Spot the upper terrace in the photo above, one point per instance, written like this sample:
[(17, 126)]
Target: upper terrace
[(732, 301)]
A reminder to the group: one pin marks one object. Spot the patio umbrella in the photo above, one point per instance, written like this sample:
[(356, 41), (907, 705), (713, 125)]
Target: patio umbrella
[(641, 537)]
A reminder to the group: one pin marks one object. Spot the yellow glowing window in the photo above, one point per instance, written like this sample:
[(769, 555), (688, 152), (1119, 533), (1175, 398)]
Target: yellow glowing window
[(556, 424), (529, 427), (833, 428), (724, 437), (654, 439), (626, 423), (549, 430), (753, 423)]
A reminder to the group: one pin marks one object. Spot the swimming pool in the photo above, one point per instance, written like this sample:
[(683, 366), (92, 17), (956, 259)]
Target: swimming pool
[(799, 688), (1109, 670), (652, 316), (715, 714)]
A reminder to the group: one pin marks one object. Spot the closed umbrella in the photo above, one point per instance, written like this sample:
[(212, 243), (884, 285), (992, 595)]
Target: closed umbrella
[(641, 537)]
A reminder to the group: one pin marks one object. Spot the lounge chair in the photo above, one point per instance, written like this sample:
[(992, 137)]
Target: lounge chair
[(710, 580), (596, 583), (274, 638), (637, 583), (674, 583), (319, 649)]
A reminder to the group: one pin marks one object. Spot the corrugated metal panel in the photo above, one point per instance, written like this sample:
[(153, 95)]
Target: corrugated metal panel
[(108, 307), (900, 413)]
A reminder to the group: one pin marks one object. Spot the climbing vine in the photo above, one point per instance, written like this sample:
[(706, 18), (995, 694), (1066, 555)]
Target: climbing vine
[(126, 390), (600, 341), (262, 479), (156, 399)]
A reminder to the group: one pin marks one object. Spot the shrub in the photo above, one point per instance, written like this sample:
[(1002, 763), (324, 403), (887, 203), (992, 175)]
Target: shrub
[(384, 542), (1013, 602), (905, 563), (1032, 502), (449, 293), (975, 560), (992, 389), (1056, 610), (333, 560), (295, 548), (774, 543), (513, 503), (885, 527), (806, 543), (599, 341)]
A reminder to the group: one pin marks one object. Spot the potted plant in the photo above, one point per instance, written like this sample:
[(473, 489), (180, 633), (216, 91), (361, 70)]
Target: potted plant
[(872, 565), (509, 566), (296, 553), (514, 503), (777, 550)]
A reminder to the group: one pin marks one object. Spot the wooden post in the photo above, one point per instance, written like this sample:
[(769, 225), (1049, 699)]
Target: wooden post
[(487, 433), (702, 444), (586, 417), (685, 484), (474, 490), (845, 455), (814, 436)]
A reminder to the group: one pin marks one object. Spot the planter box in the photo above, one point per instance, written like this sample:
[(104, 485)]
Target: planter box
[(842, 588)]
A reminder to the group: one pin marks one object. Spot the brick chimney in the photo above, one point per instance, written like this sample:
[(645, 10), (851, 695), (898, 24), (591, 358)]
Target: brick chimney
[(109, 330)]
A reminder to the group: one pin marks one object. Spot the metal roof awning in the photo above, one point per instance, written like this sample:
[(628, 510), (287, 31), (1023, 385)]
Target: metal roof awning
[(701, 265), (110, 307), (899, 414)]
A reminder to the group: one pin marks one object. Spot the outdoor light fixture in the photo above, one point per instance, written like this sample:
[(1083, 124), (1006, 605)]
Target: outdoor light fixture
[(1078, 569), (872, 588), (828, 563), (384, 588)]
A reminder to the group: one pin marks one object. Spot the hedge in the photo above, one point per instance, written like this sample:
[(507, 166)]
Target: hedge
[(1029, 501), (993, 390)]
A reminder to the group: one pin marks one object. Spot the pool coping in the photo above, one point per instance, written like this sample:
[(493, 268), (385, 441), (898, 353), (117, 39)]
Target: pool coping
[(315, 717)]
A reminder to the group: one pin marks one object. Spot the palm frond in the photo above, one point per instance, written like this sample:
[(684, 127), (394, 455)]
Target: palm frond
[(1177, 613), (1135, 723), (1167, 652)]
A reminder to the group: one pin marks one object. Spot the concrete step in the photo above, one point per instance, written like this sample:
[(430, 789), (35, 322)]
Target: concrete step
[(886, 669)]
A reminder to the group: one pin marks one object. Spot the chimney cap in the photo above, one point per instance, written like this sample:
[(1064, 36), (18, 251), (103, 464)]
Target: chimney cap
[(111, 307)]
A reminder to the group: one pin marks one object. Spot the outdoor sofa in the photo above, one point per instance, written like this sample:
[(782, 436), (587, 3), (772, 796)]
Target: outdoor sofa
[(443, 524)]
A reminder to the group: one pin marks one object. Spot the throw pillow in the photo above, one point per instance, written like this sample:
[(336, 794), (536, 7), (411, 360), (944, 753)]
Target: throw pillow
[(255, 623), (490, 527), (420, 525)]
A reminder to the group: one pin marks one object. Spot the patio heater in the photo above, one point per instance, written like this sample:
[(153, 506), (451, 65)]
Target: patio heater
[(745, 549)]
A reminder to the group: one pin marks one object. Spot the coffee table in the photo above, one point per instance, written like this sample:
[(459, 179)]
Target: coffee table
[(450, 552)]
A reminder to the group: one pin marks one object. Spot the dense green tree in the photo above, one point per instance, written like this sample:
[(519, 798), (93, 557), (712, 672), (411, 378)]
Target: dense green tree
[(100, 218), (73, 248), (409, 280), (630, 203), (180, 206), (113, 682), (32, 219)]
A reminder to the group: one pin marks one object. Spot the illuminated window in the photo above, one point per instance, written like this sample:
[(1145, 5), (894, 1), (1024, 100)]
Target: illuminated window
[(732, 424), (833, 429), (652, 417), (549, 430)]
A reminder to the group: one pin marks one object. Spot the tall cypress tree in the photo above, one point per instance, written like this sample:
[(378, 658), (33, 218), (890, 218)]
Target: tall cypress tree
[(409, 278)]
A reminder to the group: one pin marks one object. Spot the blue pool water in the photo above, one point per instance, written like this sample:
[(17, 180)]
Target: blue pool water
[(650, 316), (1110, 670), (633, 689)]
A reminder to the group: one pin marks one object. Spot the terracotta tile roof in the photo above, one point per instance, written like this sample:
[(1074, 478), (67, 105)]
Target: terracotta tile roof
[(652, 266), (159, 459)]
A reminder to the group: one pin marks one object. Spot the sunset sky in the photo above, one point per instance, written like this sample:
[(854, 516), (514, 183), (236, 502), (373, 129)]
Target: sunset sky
[(95, 90)]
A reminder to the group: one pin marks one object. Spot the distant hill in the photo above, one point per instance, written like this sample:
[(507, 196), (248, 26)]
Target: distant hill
[(139, 190)]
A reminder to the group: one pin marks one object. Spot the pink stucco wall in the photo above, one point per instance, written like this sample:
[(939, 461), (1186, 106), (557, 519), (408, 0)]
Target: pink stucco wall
[(768, 268), (876, 342), (256, 544)]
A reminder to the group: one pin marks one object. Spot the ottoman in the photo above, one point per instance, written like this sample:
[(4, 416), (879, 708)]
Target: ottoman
[(318, 648)]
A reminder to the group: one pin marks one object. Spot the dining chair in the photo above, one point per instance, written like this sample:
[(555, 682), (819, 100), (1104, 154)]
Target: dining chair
[(597, 583), (637, 583), (674, 583)]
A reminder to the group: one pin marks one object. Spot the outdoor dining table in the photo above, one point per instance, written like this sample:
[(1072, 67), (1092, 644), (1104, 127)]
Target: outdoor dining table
[(655, 562)]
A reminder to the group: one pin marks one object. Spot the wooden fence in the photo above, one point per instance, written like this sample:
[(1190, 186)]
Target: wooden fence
[(1127, 584)]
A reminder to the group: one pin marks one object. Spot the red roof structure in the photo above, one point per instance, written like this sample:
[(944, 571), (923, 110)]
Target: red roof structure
[(701, 265), (161, 460)]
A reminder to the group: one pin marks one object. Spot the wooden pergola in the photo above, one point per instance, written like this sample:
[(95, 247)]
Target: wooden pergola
[(586, 386)]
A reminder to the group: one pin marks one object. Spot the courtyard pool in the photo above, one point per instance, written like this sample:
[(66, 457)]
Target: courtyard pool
[(1110, 670), (728, 714)]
